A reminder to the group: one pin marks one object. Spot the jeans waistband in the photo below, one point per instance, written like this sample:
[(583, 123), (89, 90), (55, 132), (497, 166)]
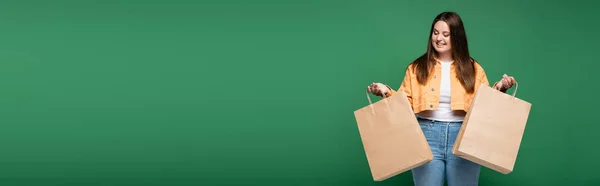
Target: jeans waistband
[(438, 121)]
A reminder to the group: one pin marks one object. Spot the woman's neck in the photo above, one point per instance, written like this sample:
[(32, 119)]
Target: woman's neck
[(446, 56)]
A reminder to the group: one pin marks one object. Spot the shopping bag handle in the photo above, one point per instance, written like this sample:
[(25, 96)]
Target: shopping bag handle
[(369, 97), (516, 87), (515, 91), (371, 103)]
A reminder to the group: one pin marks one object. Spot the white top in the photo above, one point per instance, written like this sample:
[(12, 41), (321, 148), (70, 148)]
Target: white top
[(444, 112)]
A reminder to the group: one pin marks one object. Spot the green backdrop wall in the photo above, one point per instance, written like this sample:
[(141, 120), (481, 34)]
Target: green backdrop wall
[(263, 92)]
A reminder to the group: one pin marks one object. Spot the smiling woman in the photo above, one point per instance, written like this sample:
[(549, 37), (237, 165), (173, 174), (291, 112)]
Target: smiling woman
[(441, 39), (440, 86)]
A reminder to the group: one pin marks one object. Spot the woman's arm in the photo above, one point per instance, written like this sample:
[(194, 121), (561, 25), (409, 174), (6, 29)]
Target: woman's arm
[(505, 83)]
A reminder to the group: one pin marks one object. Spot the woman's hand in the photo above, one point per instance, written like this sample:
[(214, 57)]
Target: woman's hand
[(505, 83), (378, 89)]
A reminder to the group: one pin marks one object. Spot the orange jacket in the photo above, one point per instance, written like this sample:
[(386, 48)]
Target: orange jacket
[(427, 97)]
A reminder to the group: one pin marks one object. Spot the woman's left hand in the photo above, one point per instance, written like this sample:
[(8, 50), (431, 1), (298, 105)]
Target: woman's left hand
[(505, 83)]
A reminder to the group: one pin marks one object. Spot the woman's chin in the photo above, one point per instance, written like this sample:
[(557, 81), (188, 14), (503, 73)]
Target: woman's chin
[(442, 50)]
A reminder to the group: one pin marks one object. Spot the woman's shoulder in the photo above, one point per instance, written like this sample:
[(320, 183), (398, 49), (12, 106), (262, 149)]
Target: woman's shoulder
[(410, 67)]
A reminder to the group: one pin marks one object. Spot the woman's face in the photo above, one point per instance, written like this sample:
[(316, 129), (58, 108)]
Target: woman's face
[(440, 37)]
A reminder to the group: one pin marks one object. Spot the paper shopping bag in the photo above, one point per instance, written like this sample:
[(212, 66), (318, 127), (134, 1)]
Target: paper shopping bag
[(492, 130), (391, 137)]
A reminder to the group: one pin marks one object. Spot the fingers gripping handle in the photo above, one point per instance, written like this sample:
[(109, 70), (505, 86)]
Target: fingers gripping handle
[(515, 91), (371, 103), (516, 85)]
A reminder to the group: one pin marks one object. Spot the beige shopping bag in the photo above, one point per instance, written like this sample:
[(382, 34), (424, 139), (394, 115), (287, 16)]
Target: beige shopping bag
[(492, 131), (391, 136)]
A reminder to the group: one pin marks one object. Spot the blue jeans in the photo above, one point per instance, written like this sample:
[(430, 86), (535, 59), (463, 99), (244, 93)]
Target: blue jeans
[(458, 171)]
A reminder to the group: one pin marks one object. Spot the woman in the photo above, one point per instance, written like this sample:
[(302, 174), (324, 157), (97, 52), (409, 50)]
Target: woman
[(440, 86)]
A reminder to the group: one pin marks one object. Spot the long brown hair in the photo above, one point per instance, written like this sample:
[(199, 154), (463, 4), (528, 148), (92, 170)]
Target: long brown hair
[(465, 65)]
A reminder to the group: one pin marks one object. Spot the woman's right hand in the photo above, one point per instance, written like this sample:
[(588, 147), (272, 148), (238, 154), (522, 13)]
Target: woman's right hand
[(378, 89)]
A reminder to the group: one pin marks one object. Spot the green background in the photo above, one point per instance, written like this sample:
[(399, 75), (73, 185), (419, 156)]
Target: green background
[(263, 92)]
